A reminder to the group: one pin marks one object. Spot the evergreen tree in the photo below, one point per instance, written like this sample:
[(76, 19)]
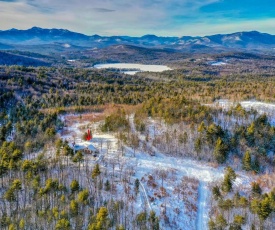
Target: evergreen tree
[(101, 222), (22, 224), (247, 164), (74, 186), (141, 220), (220, 151), (231, 173), (120, 227), (83, 196), (264, 210), (137, 186), (216, 192), (211, 225), (229, 177), (63, 224), (221, 222), (256, 189), (154, 222), (198, 145), (12, 227), (239, 220), (96, 171), (256, 165), (74, 207), (227, 184), (107, 185)]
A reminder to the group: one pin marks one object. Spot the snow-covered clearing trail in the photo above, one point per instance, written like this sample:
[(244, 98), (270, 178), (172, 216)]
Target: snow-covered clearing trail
[(202, 215)]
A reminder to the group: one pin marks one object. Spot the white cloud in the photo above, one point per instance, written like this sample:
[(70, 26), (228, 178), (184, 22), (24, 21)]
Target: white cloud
[(116, 17)]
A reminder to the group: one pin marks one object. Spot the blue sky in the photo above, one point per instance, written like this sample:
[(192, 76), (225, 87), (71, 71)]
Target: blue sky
[(139, 17)]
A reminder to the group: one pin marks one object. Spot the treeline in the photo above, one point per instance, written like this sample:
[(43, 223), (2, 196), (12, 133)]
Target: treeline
[(175, 109), (64, 87)]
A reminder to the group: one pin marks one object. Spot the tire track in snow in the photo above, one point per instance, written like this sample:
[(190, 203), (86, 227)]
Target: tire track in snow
[(145, 196), (202, 214)]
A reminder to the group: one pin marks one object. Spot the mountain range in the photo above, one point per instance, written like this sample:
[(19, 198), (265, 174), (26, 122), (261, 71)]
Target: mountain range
[(66, 40)]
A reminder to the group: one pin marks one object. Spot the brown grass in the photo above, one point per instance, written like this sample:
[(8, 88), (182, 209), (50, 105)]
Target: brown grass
[(267, 181), (91, 113), (95, 109)]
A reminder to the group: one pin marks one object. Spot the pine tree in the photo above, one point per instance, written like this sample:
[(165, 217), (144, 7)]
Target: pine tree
[(63, 224), (201, 127), (154, 222), (250, 133), (83, 196), (264, 210), (216, 192), (229, 171), (96, 171), (101, 222), (141, 220), (247, 164), (239, 220), (137, 186), (107, 185), (256, 165), (256, 189), (220, 151), (211, 225), (221, 222), (229, 177), (74, 186), (74, 207), (255, 206), (12, 227), (22, 224), (198, 145), (227, 184)]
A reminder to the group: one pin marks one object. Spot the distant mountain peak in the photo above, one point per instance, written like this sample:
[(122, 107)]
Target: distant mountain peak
[(149, 36), (239, 40), (13, 29), (36, 28)]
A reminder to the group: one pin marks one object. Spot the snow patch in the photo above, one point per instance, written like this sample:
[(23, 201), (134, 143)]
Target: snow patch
[(67, 45)]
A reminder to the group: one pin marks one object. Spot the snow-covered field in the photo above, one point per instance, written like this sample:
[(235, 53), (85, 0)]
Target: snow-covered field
[(133, 68)]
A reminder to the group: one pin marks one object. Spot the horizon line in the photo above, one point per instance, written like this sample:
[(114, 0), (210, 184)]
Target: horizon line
[(44, 28)]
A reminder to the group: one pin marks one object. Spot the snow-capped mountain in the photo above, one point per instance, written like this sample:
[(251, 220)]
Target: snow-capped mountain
[(39, 36)]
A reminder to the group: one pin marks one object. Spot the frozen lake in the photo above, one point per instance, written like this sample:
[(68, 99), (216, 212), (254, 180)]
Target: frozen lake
[(131, 69), (217, 63)]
